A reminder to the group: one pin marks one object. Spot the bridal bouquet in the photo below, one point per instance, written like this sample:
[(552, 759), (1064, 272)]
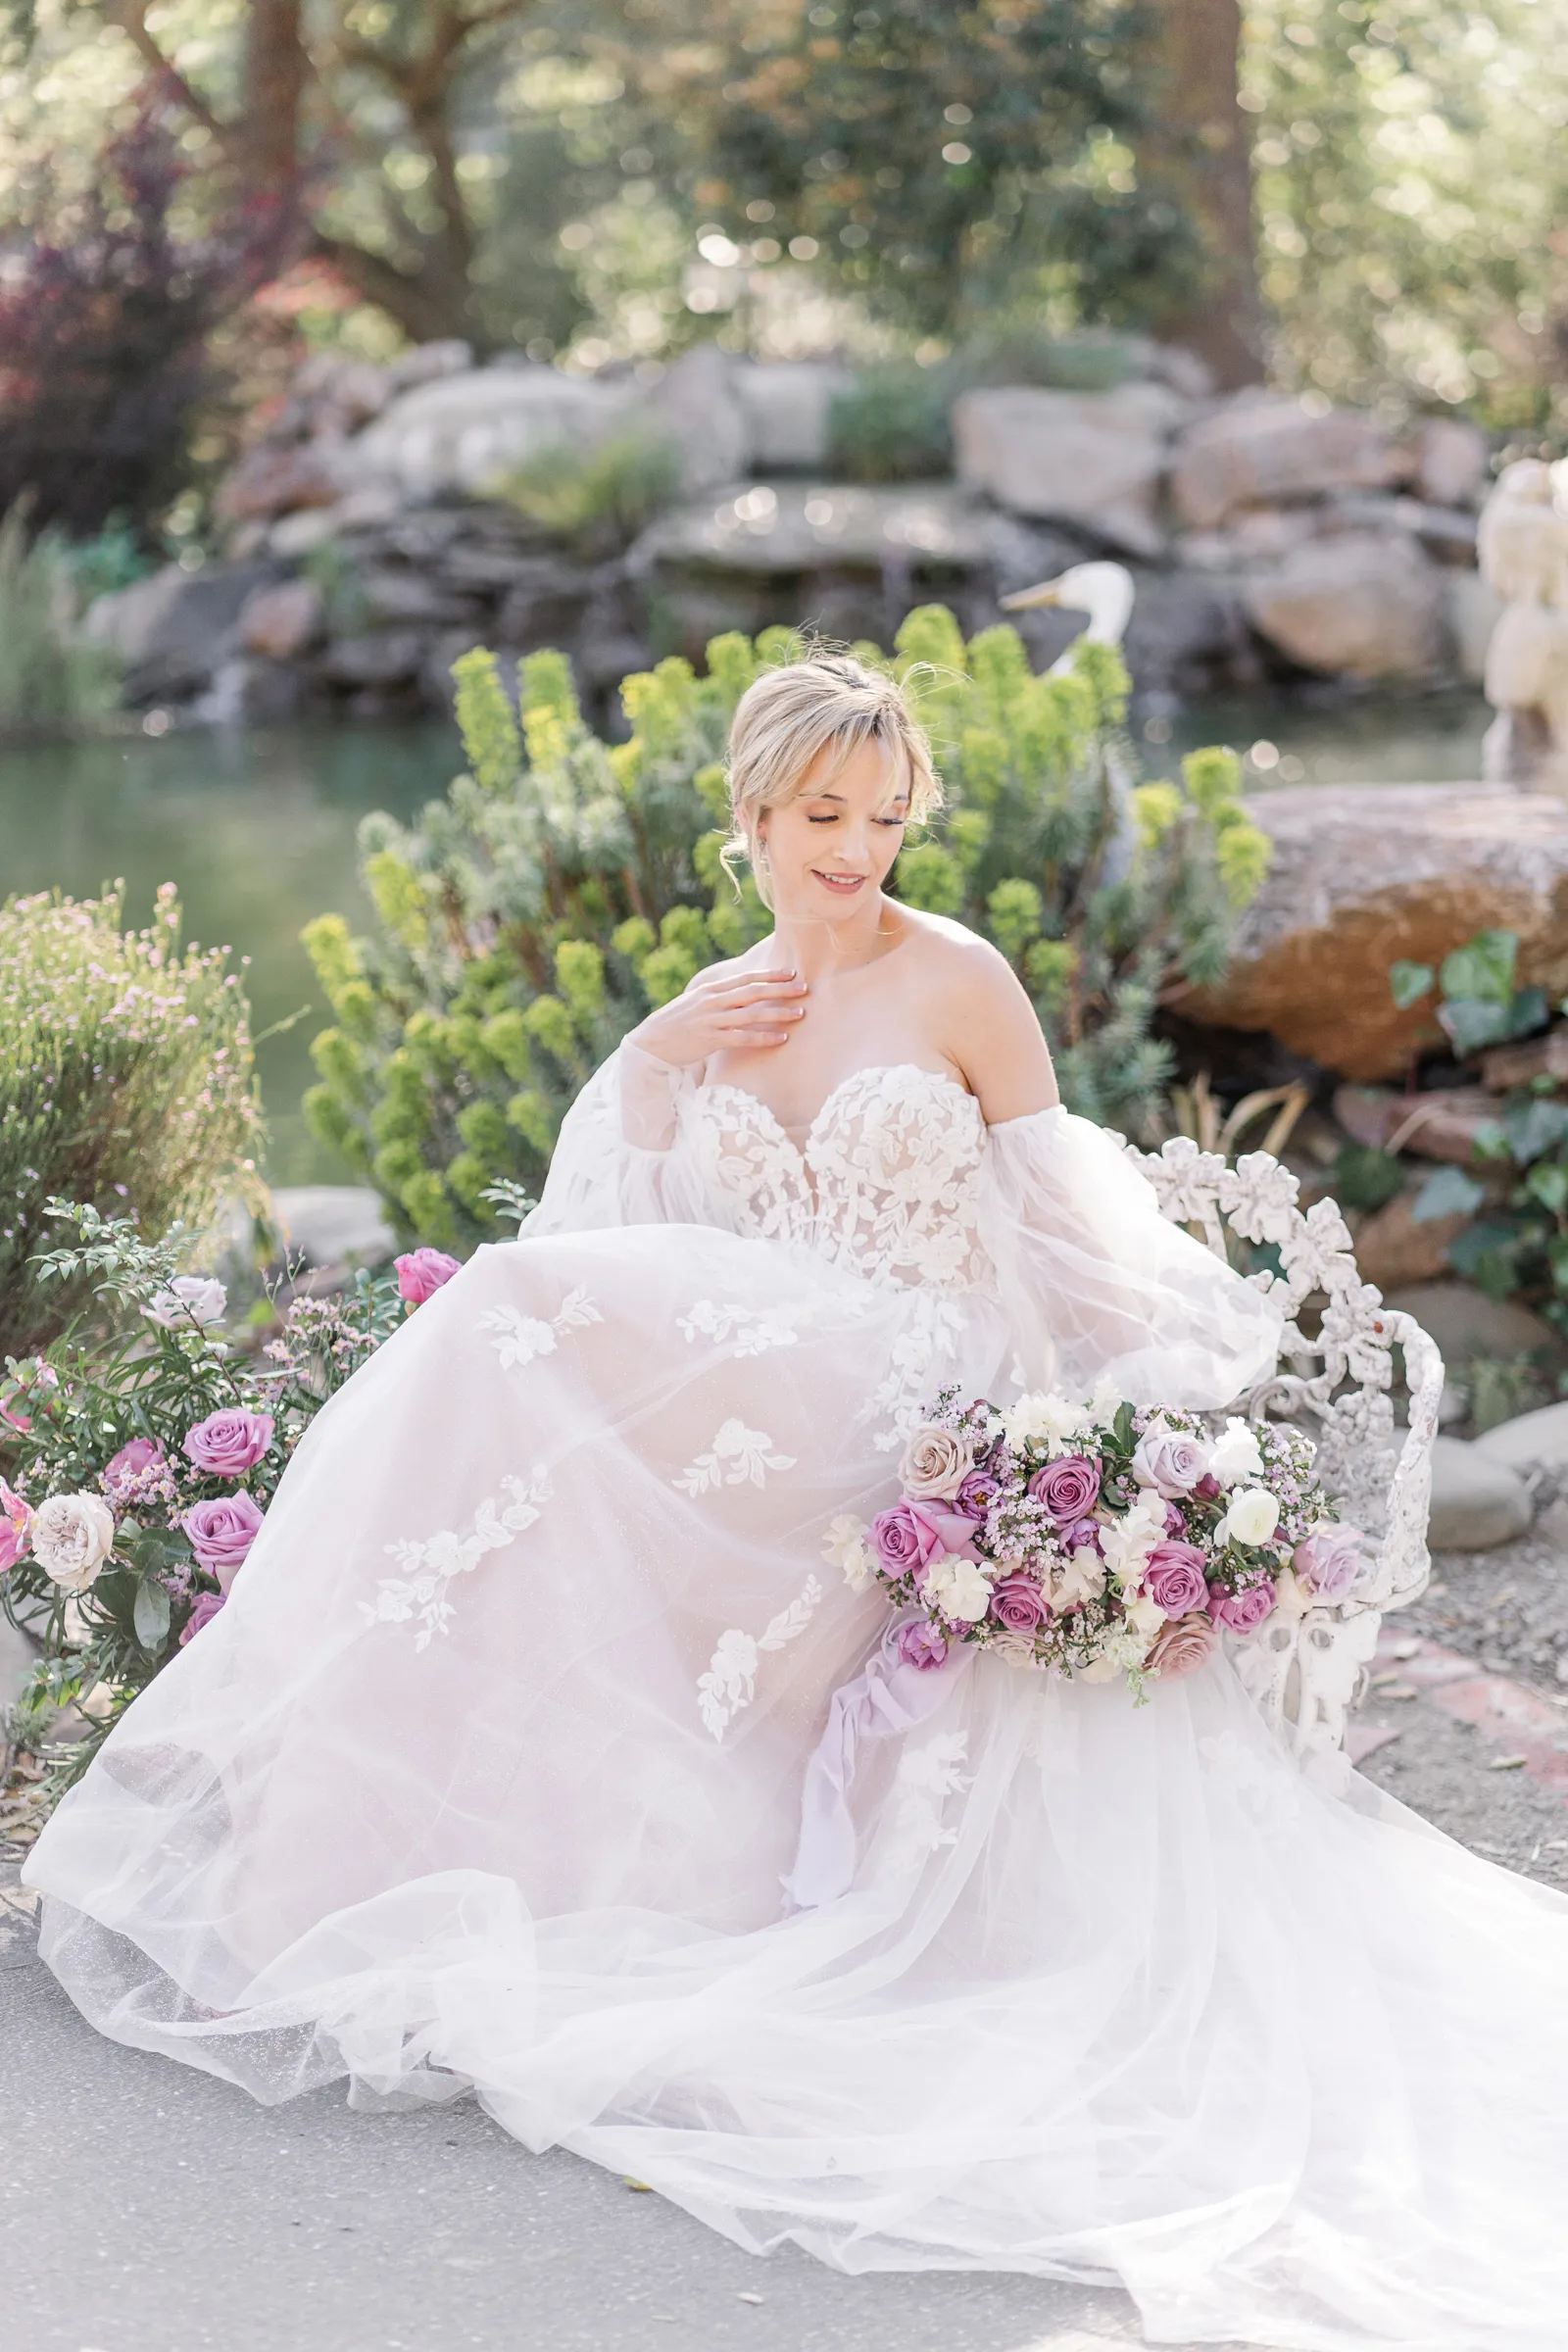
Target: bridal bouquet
[(1096, 1540)]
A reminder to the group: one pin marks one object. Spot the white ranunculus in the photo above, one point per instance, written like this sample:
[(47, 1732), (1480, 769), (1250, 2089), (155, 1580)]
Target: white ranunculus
[(1080, 1577), (1251, 1517), (72, 1535), (189, 1299), (957, 1588), (1042, 1420), (1146, 1616), (1234, 1455)]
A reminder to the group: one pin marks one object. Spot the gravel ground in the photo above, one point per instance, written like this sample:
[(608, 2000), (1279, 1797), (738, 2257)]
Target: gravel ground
[(1507, 1608)]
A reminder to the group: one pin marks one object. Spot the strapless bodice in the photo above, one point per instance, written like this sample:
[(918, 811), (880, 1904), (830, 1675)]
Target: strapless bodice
[(885, 1182)]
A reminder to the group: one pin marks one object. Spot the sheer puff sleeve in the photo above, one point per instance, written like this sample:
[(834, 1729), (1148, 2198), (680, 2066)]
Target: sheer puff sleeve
[(619, 1158), (1101, 1287)]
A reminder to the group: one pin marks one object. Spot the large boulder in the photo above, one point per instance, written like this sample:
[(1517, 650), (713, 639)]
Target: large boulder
[(696, 407), (787, 528), (1477, 1501), (175, 629), (1465, 1323), (461, 433), (1451, 461), (1531, 1441), (1090, 459), (1364, 875), (1360, 603), (1259, 450), (788, 406), (280, 480)]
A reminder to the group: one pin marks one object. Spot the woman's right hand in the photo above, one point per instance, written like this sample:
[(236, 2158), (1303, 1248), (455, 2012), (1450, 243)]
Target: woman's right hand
[(723, 1011)]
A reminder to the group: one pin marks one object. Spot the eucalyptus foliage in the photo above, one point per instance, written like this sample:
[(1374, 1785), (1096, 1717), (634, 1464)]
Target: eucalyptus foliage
[(564, 886), (126, 1082)]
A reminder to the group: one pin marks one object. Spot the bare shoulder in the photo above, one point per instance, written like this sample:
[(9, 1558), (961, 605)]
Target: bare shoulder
[(983, 1015)]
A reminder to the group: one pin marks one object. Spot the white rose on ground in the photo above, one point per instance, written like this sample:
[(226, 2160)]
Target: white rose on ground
[(957, 1588), (1251, 1518), (935, 1465), (189, 1299), (1234, 1455), (72, 1535)]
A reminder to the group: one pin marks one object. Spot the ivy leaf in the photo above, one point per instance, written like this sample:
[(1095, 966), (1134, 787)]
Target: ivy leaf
[(1482, 968), (1533, 1127), (1471, 1022), (1447, 1193), (151, 1617), (1408, 983)]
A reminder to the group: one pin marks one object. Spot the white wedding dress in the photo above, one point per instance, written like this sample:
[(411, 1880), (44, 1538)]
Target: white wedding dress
[(488, 1775)]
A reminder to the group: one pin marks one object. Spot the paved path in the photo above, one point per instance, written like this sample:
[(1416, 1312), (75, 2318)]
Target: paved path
[(150, 2208)]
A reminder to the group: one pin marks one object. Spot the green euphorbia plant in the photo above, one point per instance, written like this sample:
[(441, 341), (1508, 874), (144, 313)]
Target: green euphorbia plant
[(564, 886)]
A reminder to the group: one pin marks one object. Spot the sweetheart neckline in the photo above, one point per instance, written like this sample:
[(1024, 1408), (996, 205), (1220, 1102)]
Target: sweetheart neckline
[(871, 1069)]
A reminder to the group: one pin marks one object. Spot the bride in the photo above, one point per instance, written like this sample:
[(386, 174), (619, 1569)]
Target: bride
[(490, 1776)]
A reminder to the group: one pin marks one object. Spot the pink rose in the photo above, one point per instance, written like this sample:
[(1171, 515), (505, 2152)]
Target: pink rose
[(1329, 1561), (1243, 1611), (206, 1607), (1018, 1605), (135, 1456), (1179, 1647), (16, 1520), (421, 1273), (222, 1533), (922, 1644), (1170, 1460), (904, 1539), (230, 1442), (1174, 1575), (1068, 1487)]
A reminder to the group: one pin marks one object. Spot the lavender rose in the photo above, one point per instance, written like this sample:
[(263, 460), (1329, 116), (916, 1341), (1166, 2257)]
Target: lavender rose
[(905, 1538), (935, 1465), (121, 1469), (222, 1533), (1170, 1460), (421, 1273), (1174, 1577), (230, 1442), (1329, 1560), (1068, 1487), (206, 1607), (1082, 1535), (1179, 1647), (1018, 1605), (922, 1644), (1243, 1611)]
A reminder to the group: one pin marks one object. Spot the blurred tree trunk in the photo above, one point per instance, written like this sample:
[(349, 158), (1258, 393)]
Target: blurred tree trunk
[(1199, 142), (277, 69)]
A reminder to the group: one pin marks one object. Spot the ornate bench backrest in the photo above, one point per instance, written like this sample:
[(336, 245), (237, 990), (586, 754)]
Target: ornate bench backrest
[(1336, 1384)]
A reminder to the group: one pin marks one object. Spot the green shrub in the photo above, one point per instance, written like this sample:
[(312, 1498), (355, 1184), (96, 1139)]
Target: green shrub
[(891, 426), (51, 681), (125, 1083), (563, 887), (596, 496)]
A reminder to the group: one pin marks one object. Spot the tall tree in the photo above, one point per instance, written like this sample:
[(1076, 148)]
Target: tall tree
[(1196, 140)]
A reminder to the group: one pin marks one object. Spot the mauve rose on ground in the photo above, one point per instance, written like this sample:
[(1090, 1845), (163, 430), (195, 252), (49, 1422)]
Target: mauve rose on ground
[(421, 1273)]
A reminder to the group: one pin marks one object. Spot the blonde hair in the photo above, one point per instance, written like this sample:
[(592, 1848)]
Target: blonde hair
[(788, 716)]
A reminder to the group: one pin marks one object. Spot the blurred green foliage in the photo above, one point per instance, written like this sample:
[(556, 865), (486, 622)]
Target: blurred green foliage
[(564, 886), (51, 680)]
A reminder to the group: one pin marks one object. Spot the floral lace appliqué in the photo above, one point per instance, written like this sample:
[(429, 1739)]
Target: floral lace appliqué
[(738, 1457), (927, 1778), (730, 1681), (421, 1592), (520, 1338)]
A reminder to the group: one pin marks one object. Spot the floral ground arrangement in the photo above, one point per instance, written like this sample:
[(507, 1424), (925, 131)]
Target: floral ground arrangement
[(140, 1453), (1097, 1541)]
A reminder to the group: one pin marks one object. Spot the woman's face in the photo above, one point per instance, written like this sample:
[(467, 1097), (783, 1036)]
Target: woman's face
[(831, 848)]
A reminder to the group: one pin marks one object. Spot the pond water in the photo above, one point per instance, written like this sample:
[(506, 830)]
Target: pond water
[(258, 829)]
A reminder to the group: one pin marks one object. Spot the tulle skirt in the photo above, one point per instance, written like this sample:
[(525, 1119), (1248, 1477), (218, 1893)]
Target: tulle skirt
[(487, 1778)]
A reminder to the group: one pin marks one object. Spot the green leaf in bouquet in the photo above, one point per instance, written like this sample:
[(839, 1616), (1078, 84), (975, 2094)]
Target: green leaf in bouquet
[(151, 1617), (1126, 1435)]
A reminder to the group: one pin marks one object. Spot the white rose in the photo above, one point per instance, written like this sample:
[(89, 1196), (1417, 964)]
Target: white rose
[(1236, 1454), (843, 1547), (957, 1588), (189, 1299), (1251, 1518), (935, 1465), (72, 1535)]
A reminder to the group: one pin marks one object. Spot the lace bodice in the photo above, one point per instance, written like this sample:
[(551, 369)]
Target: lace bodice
[(885, 1183)]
